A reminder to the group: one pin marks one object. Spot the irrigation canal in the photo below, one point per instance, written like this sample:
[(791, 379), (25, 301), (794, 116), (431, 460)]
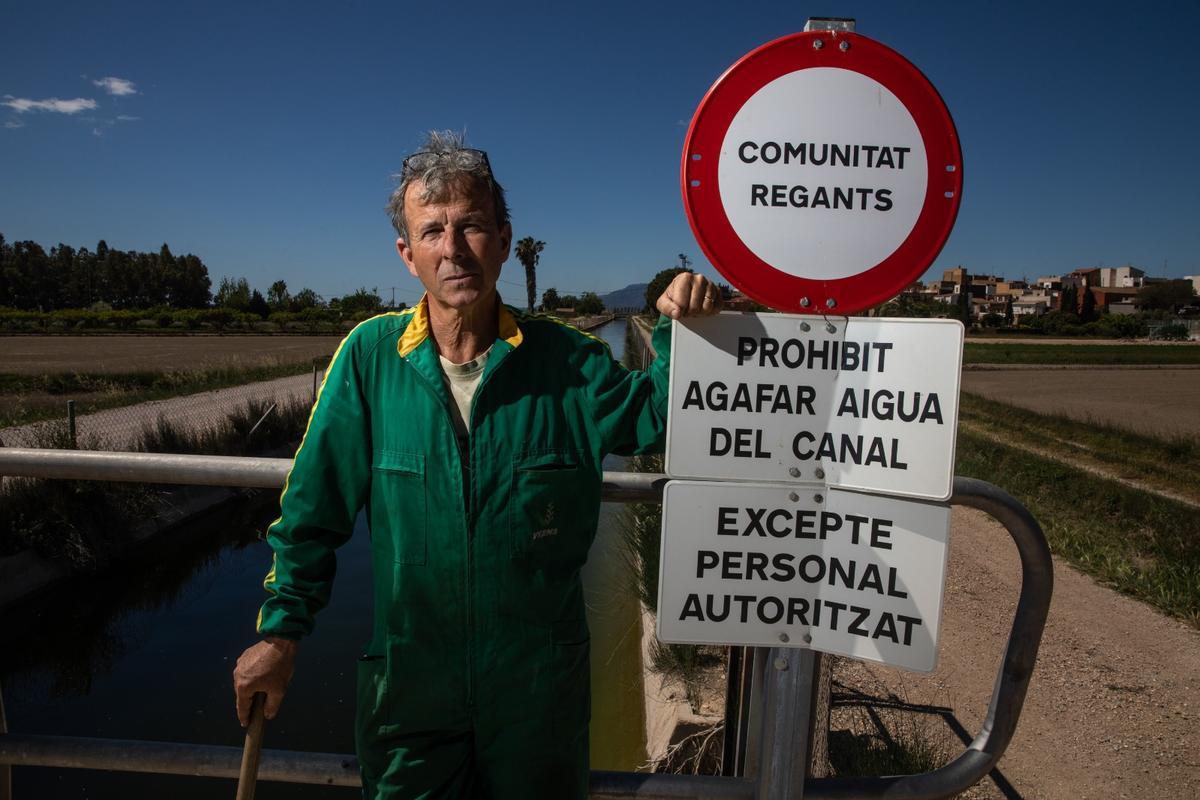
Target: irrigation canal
[(146, 651)]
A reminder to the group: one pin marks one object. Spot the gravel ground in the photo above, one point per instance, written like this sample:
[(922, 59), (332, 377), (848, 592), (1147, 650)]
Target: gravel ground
[(1113, 710)]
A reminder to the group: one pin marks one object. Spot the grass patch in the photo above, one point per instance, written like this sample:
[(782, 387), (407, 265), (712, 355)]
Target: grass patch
[(256, 426), (877, 732), (86, 524), (687, 665), (34, 398), (81, 523), (1058, 354), (904, 744), (1138, 543), (684, 664), (642, 532), (642, 529), (1171, 464)]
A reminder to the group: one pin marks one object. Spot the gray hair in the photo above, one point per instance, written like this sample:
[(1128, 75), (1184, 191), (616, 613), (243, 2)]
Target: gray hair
[(442, 165)]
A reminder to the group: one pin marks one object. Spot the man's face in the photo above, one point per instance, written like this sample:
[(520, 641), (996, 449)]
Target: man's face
[(454, 246)]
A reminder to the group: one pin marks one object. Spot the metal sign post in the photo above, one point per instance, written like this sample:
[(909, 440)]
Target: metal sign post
[(778, 742)]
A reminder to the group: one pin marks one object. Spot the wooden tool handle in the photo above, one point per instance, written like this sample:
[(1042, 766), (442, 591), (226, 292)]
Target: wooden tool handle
[(252, 749)]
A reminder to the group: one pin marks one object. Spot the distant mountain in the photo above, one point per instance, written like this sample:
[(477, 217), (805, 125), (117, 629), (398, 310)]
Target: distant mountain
[(633, 295)]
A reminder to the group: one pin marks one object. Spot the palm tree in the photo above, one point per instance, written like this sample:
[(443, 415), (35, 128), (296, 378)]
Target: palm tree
[(528, 250)]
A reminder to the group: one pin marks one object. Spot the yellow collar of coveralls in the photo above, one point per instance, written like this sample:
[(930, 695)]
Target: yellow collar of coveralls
[(418, 328)]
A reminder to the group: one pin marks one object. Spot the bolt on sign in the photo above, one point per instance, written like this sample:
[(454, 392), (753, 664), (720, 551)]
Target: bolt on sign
[(769, 565), (822, 172), (771, 397)]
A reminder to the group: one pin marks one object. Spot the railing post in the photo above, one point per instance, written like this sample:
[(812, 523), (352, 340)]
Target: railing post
[(818, 727), (736, 704), (777, 748), (71, 423)]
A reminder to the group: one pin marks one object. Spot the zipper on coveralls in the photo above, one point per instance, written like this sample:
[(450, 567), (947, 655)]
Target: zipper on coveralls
[(464, 471), (472, 511), (466, 503)]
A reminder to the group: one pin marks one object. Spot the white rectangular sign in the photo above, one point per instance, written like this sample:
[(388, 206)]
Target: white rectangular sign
[(871, 406), (773, 566)]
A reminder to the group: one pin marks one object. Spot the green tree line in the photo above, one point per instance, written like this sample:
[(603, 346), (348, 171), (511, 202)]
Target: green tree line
[(587, 303), (33, 279)]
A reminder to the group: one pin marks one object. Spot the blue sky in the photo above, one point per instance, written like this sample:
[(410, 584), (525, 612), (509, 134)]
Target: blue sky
[(263, 136)]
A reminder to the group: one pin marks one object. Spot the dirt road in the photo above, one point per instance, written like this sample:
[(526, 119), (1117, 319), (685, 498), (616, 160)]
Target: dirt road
[(1113, 710)]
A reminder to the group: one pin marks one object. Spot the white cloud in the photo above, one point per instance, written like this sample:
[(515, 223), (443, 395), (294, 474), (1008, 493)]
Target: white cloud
[(14, 123), (97, 132), (116, 86), (23, 104), (127, 118)]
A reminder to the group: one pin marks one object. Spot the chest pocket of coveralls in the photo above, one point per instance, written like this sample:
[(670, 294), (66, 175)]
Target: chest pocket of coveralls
[(398, 503), (547, 492)]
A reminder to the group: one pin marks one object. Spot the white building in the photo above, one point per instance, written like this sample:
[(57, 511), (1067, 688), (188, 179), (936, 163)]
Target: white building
[(1031, 305), (1127, 277)]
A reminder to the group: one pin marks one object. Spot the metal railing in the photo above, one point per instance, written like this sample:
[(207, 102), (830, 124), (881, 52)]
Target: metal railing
[(775, 749)]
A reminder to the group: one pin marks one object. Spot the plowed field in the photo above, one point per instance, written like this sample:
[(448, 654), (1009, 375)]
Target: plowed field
[(37, 355), (1163, 402)]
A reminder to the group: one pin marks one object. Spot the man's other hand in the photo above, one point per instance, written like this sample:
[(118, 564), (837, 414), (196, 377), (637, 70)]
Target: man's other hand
[(266, 667), (689, 295)]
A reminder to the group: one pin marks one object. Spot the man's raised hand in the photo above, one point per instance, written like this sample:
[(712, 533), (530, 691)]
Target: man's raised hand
[(689, 295)]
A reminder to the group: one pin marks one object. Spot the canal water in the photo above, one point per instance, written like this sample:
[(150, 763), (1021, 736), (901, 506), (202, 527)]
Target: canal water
[(145, 652)]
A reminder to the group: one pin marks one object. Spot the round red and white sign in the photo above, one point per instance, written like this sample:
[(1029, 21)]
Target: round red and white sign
[(822, 173)]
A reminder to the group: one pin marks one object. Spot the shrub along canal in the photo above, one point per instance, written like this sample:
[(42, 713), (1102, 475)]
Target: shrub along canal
[(146, 651)]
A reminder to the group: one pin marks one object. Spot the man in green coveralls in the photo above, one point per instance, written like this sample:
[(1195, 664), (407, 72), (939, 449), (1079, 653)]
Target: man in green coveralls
[(473, 436)]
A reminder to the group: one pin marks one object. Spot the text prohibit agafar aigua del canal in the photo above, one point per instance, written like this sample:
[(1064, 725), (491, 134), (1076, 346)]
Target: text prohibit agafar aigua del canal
[(872, 404)]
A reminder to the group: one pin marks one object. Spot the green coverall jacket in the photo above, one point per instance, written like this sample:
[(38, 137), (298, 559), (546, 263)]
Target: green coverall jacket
[(475, 681)]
